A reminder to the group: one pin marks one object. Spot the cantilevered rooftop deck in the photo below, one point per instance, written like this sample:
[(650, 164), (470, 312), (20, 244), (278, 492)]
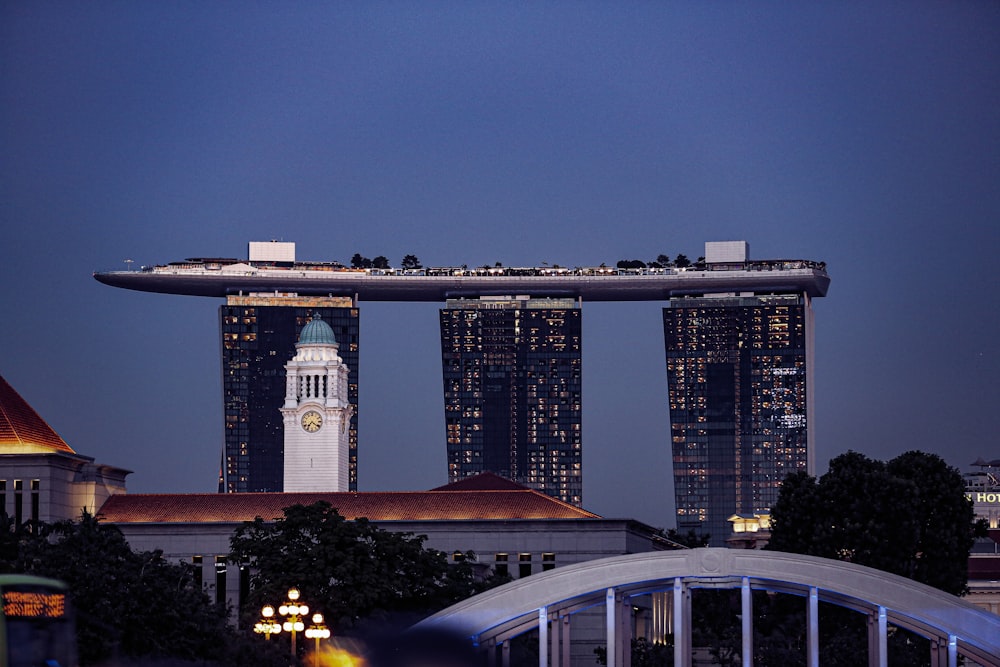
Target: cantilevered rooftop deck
[(217, 278)]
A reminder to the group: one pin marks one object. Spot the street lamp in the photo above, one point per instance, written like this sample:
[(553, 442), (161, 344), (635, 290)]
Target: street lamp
[(292, 610), (266, 625), (317, 630)]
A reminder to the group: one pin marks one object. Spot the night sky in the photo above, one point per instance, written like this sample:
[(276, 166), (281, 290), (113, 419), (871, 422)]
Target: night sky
[(865, 135)]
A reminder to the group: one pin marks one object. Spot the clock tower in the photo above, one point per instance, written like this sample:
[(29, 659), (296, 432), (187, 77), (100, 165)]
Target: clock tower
[(316, 413)]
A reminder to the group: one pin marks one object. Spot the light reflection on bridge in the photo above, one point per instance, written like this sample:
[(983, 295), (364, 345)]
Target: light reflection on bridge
[(549, 600)]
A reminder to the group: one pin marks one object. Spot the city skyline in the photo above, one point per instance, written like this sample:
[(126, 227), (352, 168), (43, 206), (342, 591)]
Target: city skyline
[(866, 138)]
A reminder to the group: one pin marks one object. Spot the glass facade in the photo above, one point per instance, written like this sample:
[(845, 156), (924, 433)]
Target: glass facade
[(258, 338), (738, 375), (512, 391)]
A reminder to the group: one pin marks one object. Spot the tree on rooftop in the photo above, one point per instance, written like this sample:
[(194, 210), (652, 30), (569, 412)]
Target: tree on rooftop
[(682, 261), (360, 262), (411, 262), (380, 262)]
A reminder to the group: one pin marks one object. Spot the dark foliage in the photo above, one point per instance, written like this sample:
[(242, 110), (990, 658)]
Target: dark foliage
[(411, 262), (129, 604), (351, 571), (909, 516)]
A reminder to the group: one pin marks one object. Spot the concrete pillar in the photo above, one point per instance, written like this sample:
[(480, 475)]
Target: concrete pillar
[(624, 616), (611, 628), (746, 611), (566, 642), (505, 654), (543, 637), (554, 637), (682, 623), (879, 653), (812, 628), (491, 653)]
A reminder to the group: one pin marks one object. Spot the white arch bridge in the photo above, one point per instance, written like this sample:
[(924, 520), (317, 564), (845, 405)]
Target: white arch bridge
[(549, 600)]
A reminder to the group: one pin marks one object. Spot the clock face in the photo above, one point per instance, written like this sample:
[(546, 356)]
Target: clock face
[(312, 421)]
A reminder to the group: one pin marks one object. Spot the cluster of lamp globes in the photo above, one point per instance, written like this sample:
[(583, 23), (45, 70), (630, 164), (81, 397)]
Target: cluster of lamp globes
[(293, 612)]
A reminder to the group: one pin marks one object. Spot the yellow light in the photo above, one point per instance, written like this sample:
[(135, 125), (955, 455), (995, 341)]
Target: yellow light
[(317, 618), (293, 594), (287, 626), (267, 611), (303, 609), (283, 610)]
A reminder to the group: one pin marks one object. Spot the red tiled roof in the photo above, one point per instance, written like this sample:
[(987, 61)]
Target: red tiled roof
[(484, 481), (376, 506), (22, 430)]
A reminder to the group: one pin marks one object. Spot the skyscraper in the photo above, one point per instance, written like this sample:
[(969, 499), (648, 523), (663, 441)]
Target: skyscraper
[(512, 391), (739, 372), (258, 338)]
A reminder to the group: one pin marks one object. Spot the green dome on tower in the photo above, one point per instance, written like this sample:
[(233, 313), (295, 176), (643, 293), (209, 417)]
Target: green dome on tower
[(317, 332)]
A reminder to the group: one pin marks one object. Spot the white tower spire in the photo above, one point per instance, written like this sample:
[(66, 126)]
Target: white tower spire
[(316, 413)]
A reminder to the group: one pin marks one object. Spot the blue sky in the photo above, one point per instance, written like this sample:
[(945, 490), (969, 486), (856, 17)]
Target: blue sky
[(863, 135)]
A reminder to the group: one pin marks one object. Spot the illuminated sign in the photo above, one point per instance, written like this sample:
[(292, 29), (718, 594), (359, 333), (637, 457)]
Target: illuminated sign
[(27, 604), (784, 371), (981, 497)]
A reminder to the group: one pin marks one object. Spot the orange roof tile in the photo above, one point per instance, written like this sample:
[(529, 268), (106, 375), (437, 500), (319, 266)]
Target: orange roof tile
[(376, 506), (484, 481), (22, 430)]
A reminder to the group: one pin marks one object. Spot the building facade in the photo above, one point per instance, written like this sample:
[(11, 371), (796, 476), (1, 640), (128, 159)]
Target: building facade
[(259, 333), (739, 371), (512, 391)]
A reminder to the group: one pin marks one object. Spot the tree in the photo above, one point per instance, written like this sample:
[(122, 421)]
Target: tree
[(909, 516), (411, 262), (631, 264), (350, 571), (360, 262), (380, 262), (663, 260), (682, 261), (133, 604)]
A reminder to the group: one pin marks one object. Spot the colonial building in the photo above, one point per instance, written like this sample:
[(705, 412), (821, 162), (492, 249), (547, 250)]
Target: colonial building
[(41, 477)]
